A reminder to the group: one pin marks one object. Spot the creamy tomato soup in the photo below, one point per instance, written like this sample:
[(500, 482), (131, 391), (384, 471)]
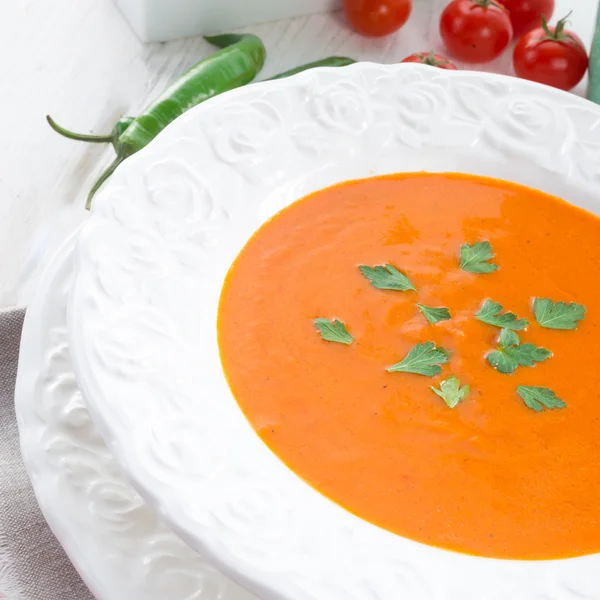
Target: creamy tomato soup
[(489, 476)]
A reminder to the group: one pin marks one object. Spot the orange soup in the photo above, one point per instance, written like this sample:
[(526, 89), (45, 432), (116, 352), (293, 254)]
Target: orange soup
[(490, 476)]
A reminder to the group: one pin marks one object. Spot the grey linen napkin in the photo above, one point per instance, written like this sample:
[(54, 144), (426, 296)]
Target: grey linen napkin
[(33, 566)]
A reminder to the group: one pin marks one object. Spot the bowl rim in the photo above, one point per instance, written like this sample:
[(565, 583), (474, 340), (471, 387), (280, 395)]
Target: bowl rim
[(324, 97)]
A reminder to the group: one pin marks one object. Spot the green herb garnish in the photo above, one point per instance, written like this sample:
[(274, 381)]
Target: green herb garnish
[(490, 313), (536, 398), (512, 354), (451, 392), (423, 359), (435, 315), (333, 331), (557, 315), (474, 258), (387, 277)]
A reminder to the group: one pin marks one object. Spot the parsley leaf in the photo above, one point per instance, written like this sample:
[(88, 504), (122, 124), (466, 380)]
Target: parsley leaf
[(490, 313), (451, 392), (536, 398), (512, 354), (557, 315), (423, 359), (473, 258), (435, 315), (387, 278), (333, 331)]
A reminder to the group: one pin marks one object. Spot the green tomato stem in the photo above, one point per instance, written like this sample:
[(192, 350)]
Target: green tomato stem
[(558, 34), (488, 3)]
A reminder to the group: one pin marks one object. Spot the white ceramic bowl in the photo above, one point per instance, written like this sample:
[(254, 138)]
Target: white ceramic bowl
[(149, 270), (115, 540)]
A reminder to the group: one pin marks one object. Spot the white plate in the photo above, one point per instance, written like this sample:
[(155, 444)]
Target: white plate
[(149, 271), (115, 540)]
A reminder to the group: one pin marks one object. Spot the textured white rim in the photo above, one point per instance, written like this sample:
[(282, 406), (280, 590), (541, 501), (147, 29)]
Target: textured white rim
[(221, 489)]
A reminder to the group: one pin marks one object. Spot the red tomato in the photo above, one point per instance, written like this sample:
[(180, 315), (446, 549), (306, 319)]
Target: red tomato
[(475, 31), (552, 56), (525, 15), (430, 58), (375, 18)]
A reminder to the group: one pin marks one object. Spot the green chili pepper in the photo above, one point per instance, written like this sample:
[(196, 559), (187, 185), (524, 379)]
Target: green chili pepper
[(238, 62), (124, 122), (240, 59), (120, 126), (331, 61)]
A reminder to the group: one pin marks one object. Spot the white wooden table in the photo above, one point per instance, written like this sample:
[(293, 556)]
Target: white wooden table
[(79, 62)]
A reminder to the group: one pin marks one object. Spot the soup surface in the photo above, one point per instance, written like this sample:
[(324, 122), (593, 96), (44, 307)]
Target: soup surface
[(490, 476)]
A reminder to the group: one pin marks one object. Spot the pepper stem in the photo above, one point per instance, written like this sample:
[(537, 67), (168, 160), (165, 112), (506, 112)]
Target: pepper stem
[(103, 177), (97, 139), (330, 61)]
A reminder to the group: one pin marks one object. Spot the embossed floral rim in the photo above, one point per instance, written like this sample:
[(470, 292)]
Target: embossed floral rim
[(149, 269), (113, 538)]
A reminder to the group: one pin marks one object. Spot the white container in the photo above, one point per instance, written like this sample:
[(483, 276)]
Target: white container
[(162, 20)]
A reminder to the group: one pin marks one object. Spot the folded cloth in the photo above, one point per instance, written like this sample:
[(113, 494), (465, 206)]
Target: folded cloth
[(33, 566)]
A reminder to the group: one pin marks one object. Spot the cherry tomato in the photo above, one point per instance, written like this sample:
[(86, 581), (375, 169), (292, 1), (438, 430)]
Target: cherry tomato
[(552, 56), (430, 58), (375, 18), (475, 31), (525, 15)]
